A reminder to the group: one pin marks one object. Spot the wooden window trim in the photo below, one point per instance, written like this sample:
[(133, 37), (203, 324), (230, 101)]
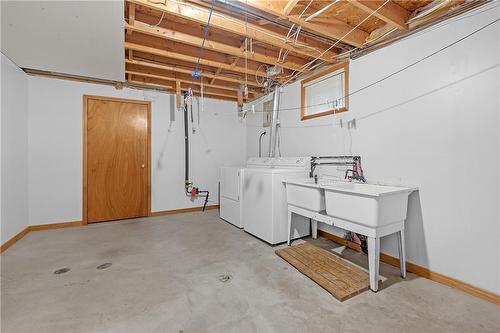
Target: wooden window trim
[(303, 113)]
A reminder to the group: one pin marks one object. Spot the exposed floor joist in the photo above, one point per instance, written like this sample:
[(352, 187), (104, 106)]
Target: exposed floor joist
[(180, 56), (209, 44), (184, 78), (185, 70), (390, 12), (232, 25), (169, 84), (246, 37), (335, 29)]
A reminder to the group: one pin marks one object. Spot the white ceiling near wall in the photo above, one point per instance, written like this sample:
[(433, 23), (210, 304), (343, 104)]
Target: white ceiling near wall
[(82, 38)]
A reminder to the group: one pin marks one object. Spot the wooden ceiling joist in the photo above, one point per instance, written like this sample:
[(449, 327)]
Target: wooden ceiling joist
[(178, 24), (185, 70), (131, 15), (390, 12), (335, 29), (183, 26), (184, 57), (215, 76), (170, 84), (209, 44), (163, 37), (440, 8), (193, 51), (184, 78), (235, 26), (142, 83)]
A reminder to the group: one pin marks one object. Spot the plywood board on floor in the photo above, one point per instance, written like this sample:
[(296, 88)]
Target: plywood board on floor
[(339, 277)]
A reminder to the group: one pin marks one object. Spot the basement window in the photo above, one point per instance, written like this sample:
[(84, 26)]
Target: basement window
[(325, 93)]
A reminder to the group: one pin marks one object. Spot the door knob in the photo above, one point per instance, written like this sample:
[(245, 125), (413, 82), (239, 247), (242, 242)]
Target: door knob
[(142, 166)]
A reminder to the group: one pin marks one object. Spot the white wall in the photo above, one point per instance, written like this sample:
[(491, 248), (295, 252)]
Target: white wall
[(73, 37), (435, 126), (55, 148), (14, 150)]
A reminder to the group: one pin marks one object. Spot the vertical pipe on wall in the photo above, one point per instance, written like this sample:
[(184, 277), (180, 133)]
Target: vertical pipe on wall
[(186, 140), (274, 122), (172, 108)]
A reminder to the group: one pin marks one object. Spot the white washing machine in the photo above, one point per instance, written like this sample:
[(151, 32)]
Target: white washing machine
[(263, 198), (230, 190)]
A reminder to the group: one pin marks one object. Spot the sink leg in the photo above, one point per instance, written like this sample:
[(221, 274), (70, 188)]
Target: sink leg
[(373, 261), (314, 228), (402, 252), (289, 227)]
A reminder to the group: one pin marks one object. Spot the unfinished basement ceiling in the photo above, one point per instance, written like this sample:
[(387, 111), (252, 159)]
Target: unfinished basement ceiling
[(83, 38), (163, 38)]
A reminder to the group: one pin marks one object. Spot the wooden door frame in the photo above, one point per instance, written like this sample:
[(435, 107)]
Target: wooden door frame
[(148, 162)]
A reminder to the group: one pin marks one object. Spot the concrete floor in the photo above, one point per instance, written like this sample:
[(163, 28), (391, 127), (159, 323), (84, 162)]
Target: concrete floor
[(164, 278)]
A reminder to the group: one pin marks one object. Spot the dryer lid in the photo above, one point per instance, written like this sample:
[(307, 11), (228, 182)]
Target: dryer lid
[(293, 162), (260, 162)]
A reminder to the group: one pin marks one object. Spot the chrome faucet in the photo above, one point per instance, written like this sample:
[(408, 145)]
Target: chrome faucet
[(354, 161), (357, 171)]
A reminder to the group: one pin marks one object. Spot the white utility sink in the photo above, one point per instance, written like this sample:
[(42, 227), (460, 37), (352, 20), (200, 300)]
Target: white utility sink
[(371, 210), (306, 193), (367, 204)]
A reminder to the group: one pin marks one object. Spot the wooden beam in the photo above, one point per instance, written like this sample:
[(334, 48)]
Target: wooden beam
[(239, 94), (183, 80), (290, 5), (169, 89), (336, 29), (233, 25), (184, 57), (180, 69), (209, 44), (441, 8), (178, 96), (184, 26), (215, 76), (378, 33), (184, 86), (194, 52), (131, 15), (391, 12)]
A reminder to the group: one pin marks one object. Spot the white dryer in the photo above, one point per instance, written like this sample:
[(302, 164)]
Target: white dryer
[(263, 198), (230, 180), (230, 190)]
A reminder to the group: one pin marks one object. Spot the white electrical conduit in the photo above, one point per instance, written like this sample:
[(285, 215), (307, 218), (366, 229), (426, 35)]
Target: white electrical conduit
[(306, 66), (310, 2), (281, 49)]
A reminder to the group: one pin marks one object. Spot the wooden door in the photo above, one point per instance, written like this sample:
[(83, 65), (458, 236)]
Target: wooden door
[(116, 159)]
